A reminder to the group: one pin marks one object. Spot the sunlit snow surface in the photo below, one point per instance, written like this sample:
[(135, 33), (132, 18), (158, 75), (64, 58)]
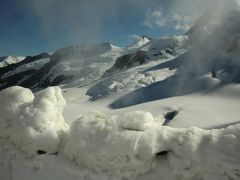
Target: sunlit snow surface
[(134, 145)]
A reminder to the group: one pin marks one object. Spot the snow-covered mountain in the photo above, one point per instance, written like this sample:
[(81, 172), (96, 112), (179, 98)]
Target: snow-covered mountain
[(19, 73), (139, 42), (82, 65), (164, 108), (71, 66), (7, 60)]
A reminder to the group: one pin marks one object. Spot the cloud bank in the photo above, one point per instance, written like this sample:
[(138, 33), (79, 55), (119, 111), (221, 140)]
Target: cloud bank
[(83, 21), (157, 18), (181, 14)]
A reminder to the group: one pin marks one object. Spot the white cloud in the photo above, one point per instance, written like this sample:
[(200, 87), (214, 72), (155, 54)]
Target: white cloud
[(157, 18), (181, 14), (135, 37), (238, 4), (182, 22)]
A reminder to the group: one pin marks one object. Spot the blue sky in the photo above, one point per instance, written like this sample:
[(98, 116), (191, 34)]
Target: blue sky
[(29, 27)]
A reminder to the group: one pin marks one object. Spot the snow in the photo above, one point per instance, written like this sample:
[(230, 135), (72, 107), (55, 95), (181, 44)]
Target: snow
[(111, 143), (206, 110), (191, 152), (176, 45), (84, 64), (139, 43), (132, 145), (133, 149), (33, 123), (126, 82), (5, 61), (30, 66)]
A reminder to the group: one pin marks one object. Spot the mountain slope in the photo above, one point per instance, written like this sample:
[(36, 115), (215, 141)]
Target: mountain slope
[(78, 65)]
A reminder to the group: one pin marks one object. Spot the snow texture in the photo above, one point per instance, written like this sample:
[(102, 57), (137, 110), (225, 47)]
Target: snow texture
[(130, 146), (112, 144), (32, 123)]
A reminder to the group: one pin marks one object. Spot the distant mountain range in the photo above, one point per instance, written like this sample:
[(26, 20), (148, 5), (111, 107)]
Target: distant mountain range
[(211, 45)]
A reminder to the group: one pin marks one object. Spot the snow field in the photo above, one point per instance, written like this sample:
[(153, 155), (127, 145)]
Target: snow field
[(126, 146)]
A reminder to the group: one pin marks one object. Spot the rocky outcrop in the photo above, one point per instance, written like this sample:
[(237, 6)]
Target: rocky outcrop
[(127, 61)]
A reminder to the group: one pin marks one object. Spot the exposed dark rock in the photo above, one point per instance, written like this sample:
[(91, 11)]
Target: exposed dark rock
[(55, 154), (41, 152), (27, 60), (162, 154), (169, 50), (169, 116), (33, 79), (41, 79), (213, 73), (158, 54), (127, 61)]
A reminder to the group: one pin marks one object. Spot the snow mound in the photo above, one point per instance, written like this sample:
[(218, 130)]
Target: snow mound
[(135, 143), (194, 153), (132, 146), (32, 123), (111, 143)]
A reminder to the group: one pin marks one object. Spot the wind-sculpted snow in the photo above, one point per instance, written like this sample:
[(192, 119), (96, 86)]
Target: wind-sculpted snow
[(130, 145), (134, 145), (117, 145), (33, 123)]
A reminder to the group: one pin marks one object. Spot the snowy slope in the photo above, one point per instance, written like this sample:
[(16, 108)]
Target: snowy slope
[(83, 64), (140, 42), (132, 71), (70, 66), (18, 73), (25, 67)]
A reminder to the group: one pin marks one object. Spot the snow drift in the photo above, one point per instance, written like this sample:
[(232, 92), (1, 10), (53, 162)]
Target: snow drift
[(113, 144), (32, 123), (129, 146)]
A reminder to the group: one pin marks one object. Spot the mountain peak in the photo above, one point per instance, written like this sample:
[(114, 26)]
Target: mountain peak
[(10, 59), (139, 42)]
